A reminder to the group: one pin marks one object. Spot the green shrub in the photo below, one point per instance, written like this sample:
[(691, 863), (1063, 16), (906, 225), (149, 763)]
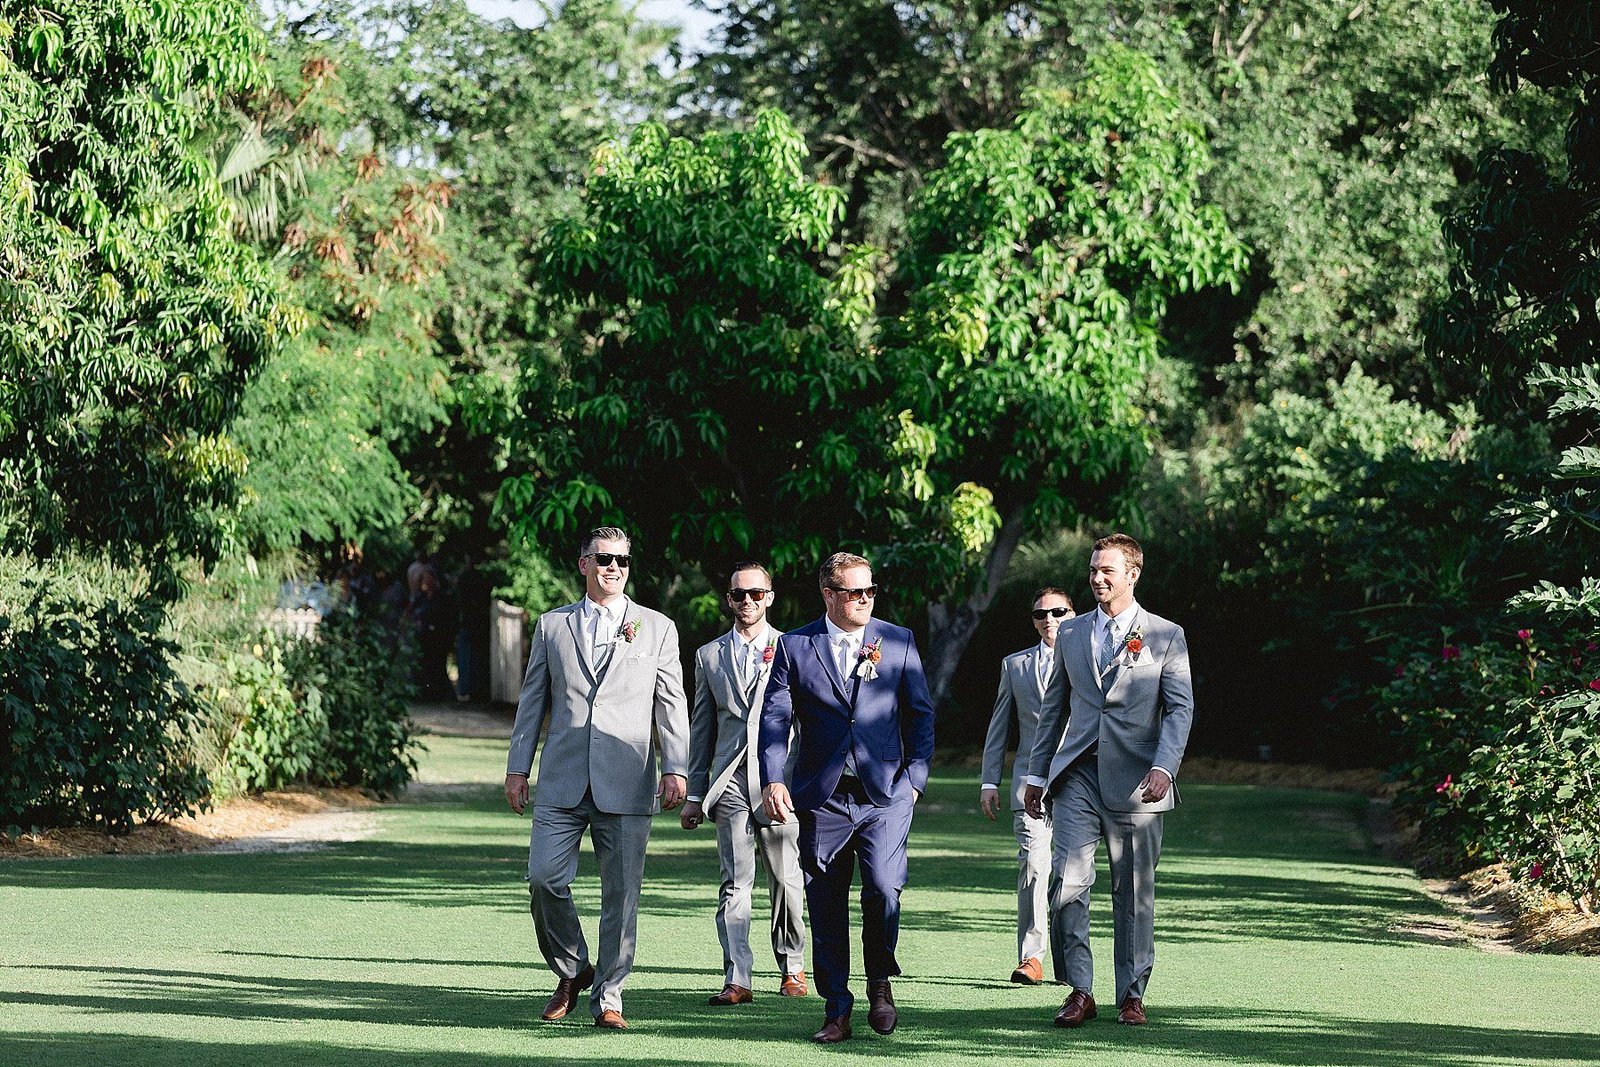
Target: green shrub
[(96, 722), (1502, 744), (363, 686), (281, 729)]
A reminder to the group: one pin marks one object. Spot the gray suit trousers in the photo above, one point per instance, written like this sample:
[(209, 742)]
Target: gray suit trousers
[(1133, 845), (739, 837), (619, 844), (1038, 926)]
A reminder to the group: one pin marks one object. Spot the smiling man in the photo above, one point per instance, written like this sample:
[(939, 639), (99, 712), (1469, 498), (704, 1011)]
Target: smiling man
[(1112, 731), (602, 672), (855, 687)]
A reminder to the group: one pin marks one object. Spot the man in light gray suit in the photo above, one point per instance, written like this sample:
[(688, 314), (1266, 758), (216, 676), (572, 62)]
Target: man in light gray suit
[(1112, 731), (601, 672), (730, 679), (1024, 677)]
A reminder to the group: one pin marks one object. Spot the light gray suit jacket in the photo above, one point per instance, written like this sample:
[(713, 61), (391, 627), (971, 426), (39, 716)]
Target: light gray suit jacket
[(724, 724), (1018, 701), (1141, 721), (599, 740)]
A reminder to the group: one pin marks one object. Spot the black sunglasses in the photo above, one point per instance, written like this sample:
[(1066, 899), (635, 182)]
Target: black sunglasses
[(1040, 613), (603, 559), (758, 595), (865, 591)]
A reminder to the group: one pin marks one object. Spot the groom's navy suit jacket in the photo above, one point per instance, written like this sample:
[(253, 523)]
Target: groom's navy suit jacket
[(886, 723)]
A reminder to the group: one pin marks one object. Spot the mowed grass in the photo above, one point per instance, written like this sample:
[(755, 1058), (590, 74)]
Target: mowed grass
[(1282, 938)]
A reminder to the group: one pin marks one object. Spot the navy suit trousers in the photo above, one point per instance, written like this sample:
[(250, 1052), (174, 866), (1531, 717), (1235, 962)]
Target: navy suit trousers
[(846, 828)]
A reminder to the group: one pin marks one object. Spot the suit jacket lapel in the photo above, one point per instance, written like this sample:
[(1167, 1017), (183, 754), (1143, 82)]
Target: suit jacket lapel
[(1119, 669), (823, 646), (575, 626)]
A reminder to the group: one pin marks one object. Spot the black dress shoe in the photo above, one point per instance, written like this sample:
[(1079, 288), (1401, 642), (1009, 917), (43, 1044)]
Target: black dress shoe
[(881, 1017), (833, 1031)]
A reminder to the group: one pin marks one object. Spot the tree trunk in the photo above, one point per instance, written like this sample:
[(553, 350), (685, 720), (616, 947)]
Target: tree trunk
[(952, 623)]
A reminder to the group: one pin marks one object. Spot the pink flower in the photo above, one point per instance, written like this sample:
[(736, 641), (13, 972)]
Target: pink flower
[(1536, 871), (1524, 636), (1399, 671), (1449, 652), (1444, 786), (768, 652), (1594, 683), (1590, 647)]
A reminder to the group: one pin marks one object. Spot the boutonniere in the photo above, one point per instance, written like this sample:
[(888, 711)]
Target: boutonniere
[(770, 651), (629, 631), (1134, 644), (867, 660)]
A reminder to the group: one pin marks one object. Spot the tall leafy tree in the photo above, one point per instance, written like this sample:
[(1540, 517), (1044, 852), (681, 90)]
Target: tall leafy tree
[(1340, 131), (508, 116), (132, 320), (711, 392), (1040, 264)]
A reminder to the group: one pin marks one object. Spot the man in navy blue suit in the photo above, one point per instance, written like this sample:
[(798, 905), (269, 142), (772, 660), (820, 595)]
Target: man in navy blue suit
[(856, 689)]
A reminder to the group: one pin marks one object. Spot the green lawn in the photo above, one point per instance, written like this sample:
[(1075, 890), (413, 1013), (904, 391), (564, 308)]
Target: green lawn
[(1282, 938)]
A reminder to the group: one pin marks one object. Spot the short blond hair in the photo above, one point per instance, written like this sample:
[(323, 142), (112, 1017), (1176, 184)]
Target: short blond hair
[(837, 563)]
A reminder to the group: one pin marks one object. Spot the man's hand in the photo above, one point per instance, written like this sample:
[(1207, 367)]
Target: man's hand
[(1033, 801), (775, 798), (692, 815), (989, 802), (1153, 789), (517, 792), (674, 787)]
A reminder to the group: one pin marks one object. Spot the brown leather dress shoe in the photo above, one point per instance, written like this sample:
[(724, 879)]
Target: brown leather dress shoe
[(1028, 972), (1132, 1012), (731, 994), (881, 1017), (1078, 1009), (794, 985), (565, 998), (610, 1020), (833, 1031)]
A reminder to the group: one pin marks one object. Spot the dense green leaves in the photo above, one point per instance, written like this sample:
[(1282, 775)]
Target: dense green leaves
[(95, 726), (711, 394), (1040, 263), (132, 321)]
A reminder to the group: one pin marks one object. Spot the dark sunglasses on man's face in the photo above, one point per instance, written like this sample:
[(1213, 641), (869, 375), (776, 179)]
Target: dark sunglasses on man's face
[(604, 559), (757, 595), (1040, 613), (866, 592)]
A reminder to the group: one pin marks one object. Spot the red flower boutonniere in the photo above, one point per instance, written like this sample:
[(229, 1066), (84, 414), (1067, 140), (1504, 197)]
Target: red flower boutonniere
[(770, 651), (629, 631), (867, 660), (1134, 644)]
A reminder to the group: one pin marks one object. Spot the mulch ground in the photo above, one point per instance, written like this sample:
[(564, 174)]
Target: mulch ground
[(230, 820)]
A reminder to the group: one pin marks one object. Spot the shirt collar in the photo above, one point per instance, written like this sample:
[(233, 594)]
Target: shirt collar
[(1045, 650), (1122, 620), (759, 640), (836, 632), (612, 612)]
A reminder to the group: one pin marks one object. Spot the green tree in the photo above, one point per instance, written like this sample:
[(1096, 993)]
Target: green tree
[(132, 320), (1040, 263), (711, 390), (358, 238), (509, 116), (1339, 130)]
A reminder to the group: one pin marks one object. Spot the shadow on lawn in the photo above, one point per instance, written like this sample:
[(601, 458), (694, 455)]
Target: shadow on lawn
[(776, 1032), (1303, 876)]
